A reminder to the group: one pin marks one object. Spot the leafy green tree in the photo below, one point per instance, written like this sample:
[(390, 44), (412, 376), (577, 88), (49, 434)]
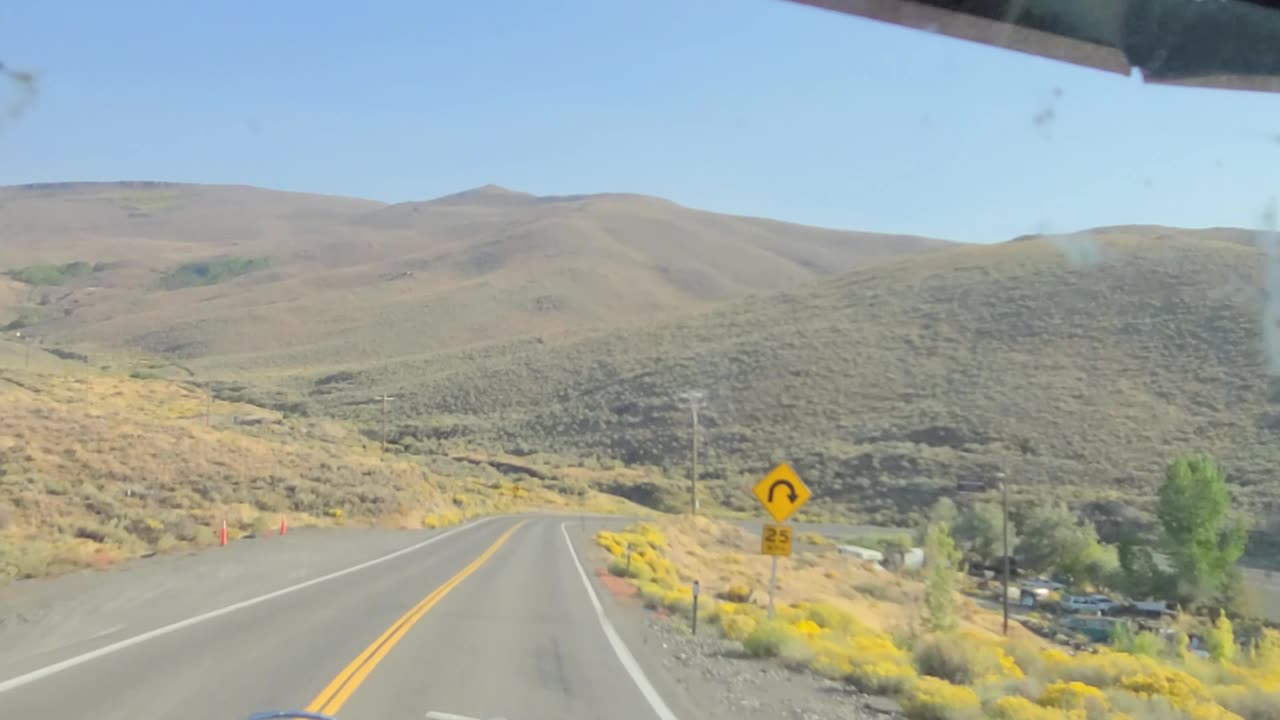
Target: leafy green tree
[(1139, 575), (1203, 540), (940, 559), (980, 533), (942, 511), (1221, 640), (1054, 540)]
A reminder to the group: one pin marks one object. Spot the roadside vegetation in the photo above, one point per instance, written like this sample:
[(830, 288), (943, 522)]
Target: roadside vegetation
[(935, 650), (96, 468)]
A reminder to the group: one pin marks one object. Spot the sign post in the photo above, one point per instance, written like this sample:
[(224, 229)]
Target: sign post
[(697, 590), (782, 493)]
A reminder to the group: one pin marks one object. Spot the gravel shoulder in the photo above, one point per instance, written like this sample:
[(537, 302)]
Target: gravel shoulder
[(710, 673)]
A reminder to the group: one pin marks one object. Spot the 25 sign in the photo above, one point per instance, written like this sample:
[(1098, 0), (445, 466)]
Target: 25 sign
[(776, 541)]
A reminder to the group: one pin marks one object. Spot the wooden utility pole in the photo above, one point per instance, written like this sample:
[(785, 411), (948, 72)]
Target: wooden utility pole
[(694, 398), (971, 486), (1004, 512), (385, 399)]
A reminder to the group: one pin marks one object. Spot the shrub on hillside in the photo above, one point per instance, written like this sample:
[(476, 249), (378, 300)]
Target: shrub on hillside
[(738, 627), (962, 659), (771, 638), (931, 698), (1250, 703)]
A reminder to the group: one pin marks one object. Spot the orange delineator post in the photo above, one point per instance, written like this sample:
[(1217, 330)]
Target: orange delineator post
[(222, 536), (284, 525)]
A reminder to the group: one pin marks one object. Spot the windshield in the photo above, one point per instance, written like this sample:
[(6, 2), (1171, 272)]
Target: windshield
[(773, 359)]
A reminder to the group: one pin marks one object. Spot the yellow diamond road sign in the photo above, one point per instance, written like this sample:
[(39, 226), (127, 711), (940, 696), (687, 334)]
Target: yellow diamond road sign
[(781, 492)]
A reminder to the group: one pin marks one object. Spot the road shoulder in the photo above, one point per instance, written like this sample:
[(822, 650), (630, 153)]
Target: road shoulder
[(705, 677)]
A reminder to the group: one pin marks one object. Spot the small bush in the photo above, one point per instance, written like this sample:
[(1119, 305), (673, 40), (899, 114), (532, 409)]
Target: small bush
[(934, 699), (738, 627), (1250, 703), (652, 594), (1070, 695), (770, 638), (618, 568), (738, 593), (962, 659), (1019, 708)]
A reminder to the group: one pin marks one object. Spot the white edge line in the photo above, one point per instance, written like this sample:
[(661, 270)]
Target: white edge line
[(44, 672), (619, 647)]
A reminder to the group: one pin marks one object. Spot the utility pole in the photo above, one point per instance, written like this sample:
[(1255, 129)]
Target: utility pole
[(971, 486), (385, 399), (1004, 522), (694, 398)]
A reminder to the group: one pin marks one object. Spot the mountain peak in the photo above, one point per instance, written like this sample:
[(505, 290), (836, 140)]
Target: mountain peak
[(486, 195)]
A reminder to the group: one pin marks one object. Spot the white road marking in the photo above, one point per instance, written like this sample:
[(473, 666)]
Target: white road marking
[(69, 663), (619, 647), (433, 715)]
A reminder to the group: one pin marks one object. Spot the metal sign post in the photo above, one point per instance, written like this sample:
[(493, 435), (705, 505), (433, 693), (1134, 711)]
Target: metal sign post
[(697, 590), (781, 492)]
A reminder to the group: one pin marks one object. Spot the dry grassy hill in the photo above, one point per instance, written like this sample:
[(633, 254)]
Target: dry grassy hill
[(251, 279), (1079, 365), (96, 467)]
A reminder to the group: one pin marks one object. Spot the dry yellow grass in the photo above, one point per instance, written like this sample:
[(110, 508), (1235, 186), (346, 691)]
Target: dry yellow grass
[(95, 468)]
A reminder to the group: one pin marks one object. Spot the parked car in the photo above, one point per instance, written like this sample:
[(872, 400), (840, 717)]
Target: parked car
[(1092, 604)]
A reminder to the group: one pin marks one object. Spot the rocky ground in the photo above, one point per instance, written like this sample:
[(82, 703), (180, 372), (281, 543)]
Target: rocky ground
[(717, 671)]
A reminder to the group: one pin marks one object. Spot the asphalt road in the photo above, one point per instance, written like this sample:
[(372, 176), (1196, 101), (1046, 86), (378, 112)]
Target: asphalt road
[(492, 620)]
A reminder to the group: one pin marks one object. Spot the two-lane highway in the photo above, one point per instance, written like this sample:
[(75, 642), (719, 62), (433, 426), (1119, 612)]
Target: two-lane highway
[(495, 620)]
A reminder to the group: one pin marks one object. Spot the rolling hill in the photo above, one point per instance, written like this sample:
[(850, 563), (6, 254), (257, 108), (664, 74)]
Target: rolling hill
[(240, 278), (1078, 365)]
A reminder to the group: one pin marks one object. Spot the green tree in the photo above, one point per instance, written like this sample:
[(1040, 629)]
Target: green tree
[(1054, 540), (940, 558), (1204, 542), (980, 533), (1221, 640), (942, 511)]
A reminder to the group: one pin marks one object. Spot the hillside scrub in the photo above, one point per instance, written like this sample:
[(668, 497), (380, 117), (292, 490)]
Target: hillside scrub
[(963, 674), (1075, 380), (98, 468), (211, 272)]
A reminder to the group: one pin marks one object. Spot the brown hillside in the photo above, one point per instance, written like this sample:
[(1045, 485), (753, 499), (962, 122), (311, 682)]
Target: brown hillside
[(285, 280), (1079, 365)]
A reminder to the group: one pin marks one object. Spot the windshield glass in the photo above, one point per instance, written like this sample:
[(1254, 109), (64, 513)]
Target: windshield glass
[(722, 359)]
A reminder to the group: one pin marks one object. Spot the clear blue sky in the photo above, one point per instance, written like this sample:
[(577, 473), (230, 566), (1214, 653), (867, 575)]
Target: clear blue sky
[(747, 106)]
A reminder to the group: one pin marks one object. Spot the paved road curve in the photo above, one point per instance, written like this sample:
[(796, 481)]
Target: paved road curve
[(494, 620)]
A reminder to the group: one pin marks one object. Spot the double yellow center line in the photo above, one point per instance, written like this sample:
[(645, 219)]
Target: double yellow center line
[(337, 692)]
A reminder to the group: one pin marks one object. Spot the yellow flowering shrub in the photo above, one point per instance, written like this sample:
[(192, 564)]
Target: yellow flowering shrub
[(1180, 688), (1069, 695), (807, 628), (1015, 707), (930, 698), (737, 627)]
